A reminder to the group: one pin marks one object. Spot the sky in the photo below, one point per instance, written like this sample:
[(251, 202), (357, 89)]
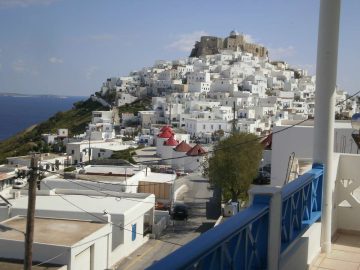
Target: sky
[(69, 47)]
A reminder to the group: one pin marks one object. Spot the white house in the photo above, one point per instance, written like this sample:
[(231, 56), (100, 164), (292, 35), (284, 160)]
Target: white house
[(125, 98), (82, 151), (147, 118), (102, 117), (179, 155), (195, 158), (77, 244), (131, 216), (199, 126)]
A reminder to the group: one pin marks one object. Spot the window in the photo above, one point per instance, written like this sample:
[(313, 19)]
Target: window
[(72, 152), (133, 232), (219, 126), (203, 126)]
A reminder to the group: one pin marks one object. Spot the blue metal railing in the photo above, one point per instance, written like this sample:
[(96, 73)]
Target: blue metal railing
[(301, 205), (242, 241)]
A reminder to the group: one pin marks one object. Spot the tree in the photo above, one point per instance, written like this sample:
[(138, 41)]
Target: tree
[(234, 165)]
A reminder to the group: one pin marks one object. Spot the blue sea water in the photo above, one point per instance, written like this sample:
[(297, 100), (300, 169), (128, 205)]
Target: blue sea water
[(20, 112)]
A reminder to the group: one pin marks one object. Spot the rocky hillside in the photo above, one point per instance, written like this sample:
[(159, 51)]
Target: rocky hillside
[(75, 120)]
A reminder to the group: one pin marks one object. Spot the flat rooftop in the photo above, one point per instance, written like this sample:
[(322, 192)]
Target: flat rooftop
[(8, 168), (159, 178), (102, 178), (45, 156), (19, 265), (51, 231), (92, 203), (310, 123), (109, 169)]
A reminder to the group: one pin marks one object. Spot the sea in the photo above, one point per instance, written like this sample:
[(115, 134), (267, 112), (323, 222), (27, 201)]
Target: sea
[(19, 112)]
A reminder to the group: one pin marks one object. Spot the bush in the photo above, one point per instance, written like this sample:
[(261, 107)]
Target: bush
[(70, 169)]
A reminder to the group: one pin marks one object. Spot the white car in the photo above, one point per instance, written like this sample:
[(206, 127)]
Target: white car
[(19, 183)]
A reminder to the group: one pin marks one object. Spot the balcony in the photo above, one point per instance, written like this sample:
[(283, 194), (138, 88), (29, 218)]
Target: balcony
[(281, 229)]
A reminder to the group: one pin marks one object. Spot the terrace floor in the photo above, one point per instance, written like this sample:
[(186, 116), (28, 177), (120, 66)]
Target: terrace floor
[(345, 254)]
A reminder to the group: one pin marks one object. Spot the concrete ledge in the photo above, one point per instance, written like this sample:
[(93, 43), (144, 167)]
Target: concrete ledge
[(301, 253)]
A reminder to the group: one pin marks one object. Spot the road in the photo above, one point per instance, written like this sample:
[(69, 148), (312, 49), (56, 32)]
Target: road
[(202, 217)]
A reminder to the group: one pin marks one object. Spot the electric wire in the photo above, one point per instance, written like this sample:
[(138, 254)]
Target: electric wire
[(218, 149), (106, 221), (242, 143)]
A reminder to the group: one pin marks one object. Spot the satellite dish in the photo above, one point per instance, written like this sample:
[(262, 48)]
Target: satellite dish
[(355, 121)]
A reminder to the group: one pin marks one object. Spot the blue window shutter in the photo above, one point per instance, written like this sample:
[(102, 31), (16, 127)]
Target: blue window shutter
[(133, 232)]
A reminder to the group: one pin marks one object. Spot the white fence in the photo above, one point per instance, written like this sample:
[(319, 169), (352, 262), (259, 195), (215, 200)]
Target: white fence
[(161, 221), (347, 197)]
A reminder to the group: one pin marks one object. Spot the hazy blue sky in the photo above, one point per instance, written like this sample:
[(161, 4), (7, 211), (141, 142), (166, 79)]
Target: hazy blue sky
[(71, 46)]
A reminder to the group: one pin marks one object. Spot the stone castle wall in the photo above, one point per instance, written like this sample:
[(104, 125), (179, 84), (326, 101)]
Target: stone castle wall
[(212, 45)]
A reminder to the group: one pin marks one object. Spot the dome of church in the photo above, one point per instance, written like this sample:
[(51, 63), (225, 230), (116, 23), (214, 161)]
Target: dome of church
[(234, 33)]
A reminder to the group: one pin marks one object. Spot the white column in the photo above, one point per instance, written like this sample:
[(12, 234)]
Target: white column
[(275, 217), (326, 69)]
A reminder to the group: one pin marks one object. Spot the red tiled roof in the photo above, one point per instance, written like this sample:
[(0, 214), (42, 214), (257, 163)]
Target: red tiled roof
[(166, 127), (197, 150), (166, 134), (267, 142), (183, 147), (171, 141)]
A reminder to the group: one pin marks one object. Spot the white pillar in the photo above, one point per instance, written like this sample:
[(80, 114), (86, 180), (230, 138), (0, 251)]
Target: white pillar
[(326, 69), (275, 217)]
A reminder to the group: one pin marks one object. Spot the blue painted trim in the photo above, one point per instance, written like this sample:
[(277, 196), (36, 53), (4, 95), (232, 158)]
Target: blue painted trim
[(200, 247), (242, 241)]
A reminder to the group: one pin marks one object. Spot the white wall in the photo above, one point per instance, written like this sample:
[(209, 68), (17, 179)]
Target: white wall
[(347, 187), (136, 216), (299, 139), (303, 251), (43, 252)]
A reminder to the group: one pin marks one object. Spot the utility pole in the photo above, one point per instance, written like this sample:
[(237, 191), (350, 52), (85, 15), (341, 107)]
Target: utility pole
[(89, 152), (170, 112), (234, 120), (29, 236)]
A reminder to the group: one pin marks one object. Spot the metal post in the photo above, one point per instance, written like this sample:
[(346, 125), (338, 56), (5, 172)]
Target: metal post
[(29, 236), (326, 69)]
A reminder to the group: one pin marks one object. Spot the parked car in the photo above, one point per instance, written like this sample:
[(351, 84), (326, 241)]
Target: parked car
[(181, 173), (263, 178), (180, 212), (170, 171), (19, 184), (267, 168)]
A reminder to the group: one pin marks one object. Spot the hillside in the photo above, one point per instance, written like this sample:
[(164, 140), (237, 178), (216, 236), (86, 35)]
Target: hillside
[(75, 120)]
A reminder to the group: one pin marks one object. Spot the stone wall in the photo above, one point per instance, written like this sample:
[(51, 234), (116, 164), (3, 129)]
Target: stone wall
[(209, 45)]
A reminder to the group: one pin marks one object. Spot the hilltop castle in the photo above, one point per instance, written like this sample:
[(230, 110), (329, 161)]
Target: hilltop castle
[(212, 45)]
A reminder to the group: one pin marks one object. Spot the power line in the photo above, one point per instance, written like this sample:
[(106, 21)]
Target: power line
[(211, 151), (146, 163), (106, 221), (218, 149), (49, 260)]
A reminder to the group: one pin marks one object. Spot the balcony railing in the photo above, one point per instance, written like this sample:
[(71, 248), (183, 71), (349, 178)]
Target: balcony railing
[(256, 237), (301, 205)]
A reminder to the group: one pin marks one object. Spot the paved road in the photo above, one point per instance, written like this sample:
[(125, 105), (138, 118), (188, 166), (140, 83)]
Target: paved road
[(197, 197)]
